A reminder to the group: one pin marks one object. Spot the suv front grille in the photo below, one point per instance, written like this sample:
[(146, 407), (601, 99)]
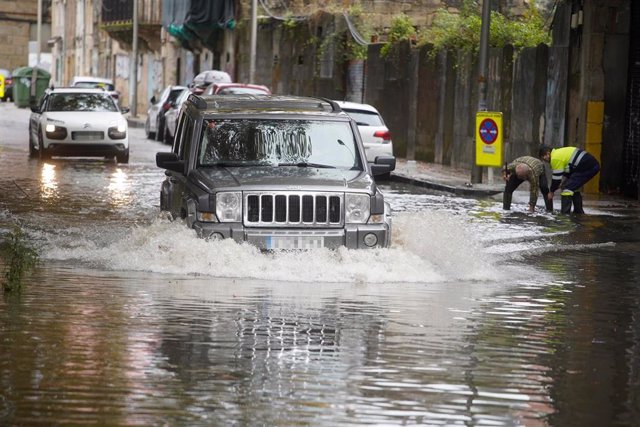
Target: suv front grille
[(293, 209)]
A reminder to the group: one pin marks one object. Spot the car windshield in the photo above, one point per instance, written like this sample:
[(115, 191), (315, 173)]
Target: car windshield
[(284, 143), (365, 118), (81, 102), (95, 85)]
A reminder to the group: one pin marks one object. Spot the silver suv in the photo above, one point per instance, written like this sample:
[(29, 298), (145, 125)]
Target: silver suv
[(280, 172)]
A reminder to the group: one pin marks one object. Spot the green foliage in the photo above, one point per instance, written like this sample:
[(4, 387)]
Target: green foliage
[(401, 29), (20, 257), (462, 32)]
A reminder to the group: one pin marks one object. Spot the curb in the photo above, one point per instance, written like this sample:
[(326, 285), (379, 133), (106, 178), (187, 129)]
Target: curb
[(135, 123), (459, 190)]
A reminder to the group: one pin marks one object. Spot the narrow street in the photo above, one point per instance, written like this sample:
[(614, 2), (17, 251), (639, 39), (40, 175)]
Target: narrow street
[(474, 316)]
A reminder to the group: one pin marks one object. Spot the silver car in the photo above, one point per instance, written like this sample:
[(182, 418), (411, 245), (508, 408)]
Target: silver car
[(155, 123), (375, 134), (279, 172)]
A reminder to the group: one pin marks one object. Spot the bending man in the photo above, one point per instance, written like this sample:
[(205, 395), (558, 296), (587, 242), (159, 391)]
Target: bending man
[(526, 168), (572, 168)]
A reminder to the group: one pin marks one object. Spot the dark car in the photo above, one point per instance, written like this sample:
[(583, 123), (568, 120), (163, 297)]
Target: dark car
[(279, 172), (8, 85)]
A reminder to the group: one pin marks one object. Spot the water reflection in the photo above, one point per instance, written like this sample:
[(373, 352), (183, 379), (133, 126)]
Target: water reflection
[(48, 182), (119, 188)]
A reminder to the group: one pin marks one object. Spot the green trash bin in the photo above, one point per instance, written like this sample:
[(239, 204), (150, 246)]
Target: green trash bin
[(29, 84)]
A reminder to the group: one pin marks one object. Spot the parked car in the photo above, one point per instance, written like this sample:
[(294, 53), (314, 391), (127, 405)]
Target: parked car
[(171, 116), (8, 85), (96, 82), (236, 88), (206, 78), (154, 126), (78, 122), (375, 134), (279, 172)]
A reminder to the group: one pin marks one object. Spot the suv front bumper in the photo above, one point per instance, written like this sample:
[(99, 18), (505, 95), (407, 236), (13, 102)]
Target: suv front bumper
[(353, 236)]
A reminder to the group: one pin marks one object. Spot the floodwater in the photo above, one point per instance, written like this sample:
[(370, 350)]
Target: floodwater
[(473, 317)]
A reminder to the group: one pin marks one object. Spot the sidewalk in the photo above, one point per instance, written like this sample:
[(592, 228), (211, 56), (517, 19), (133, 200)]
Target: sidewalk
[(445, 178), (456, 180)]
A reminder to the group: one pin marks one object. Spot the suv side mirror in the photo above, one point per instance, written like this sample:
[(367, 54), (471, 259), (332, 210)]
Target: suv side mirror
[(34, 108), (169, 161), (383, 165), (125, 110), (153, 99)]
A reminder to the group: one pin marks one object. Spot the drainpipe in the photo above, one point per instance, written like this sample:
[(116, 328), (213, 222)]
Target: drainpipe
[(254, 41), (133, 75)]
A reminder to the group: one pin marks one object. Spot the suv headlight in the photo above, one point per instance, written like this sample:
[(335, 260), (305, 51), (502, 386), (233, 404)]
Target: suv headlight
[(357, 208), (229, 206)]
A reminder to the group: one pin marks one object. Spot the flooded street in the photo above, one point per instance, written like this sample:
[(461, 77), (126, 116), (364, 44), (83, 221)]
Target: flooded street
[(474, 316)]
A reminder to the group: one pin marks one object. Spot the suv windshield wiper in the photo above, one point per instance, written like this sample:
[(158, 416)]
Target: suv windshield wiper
[(307, 165)]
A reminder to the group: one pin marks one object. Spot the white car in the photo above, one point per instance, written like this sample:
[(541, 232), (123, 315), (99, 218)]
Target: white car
[(89, 82), (155, 125), (80, 123), (375, 134), (171, 116)]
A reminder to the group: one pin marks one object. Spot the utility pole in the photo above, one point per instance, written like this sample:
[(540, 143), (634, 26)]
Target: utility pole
[(133, 75), (254, 40), (39, 34), (476, 171)]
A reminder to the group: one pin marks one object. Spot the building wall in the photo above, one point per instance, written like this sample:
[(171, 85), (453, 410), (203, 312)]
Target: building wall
[(18, 17)]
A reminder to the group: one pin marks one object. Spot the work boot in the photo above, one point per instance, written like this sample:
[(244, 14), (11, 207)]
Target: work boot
[(506, 201), (577, 202), (565, 206)]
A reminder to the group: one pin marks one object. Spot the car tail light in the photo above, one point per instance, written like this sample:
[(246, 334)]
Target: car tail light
[(384, 134)]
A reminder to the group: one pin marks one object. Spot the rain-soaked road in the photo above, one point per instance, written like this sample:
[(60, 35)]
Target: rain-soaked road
[(473, 317)]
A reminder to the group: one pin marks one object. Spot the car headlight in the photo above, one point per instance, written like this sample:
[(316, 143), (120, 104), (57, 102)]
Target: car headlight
[(357, 208), (55, 132), (118, 130), (229, 206)]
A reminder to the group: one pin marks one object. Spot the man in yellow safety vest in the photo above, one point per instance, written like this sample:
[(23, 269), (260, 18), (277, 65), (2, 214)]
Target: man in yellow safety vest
[(571, 168)]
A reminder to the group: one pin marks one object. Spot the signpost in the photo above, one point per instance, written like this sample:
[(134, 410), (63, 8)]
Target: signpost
[(488, 138)]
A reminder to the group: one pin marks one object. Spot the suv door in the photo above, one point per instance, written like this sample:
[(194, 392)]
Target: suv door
[(174, 187)]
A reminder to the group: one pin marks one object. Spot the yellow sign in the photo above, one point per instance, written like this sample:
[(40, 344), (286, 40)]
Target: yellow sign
[(1, 86), (488, 138)]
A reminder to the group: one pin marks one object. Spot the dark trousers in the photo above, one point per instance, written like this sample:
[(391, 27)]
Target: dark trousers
[(514, 182), (586, 169)]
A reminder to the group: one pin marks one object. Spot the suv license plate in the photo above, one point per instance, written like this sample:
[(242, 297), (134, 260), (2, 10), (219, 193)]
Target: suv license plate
[(294, 242)]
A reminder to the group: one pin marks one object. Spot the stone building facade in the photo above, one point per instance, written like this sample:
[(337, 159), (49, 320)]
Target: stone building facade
[(18, 27)]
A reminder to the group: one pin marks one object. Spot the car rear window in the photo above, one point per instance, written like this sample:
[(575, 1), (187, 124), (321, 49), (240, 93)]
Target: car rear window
[(365, 118), (81, 102), (95, 85), (241, 90)]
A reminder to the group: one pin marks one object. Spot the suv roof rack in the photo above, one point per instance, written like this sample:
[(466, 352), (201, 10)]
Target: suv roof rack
[(263, 102)]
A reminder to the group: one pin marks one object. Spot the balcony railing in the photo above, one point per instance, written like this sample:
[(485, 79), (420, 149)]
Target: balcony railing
[(116, 12)]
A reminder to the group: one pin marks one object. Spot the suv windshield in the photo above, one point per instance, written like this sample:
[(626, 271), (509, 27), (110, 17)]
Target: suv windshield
[(81, 102), (285, 143)]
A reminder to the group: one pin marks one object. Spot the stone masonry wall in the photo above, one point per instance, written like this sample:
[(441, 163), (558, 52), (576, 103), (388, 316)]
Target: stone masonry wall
[(15, 24)]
